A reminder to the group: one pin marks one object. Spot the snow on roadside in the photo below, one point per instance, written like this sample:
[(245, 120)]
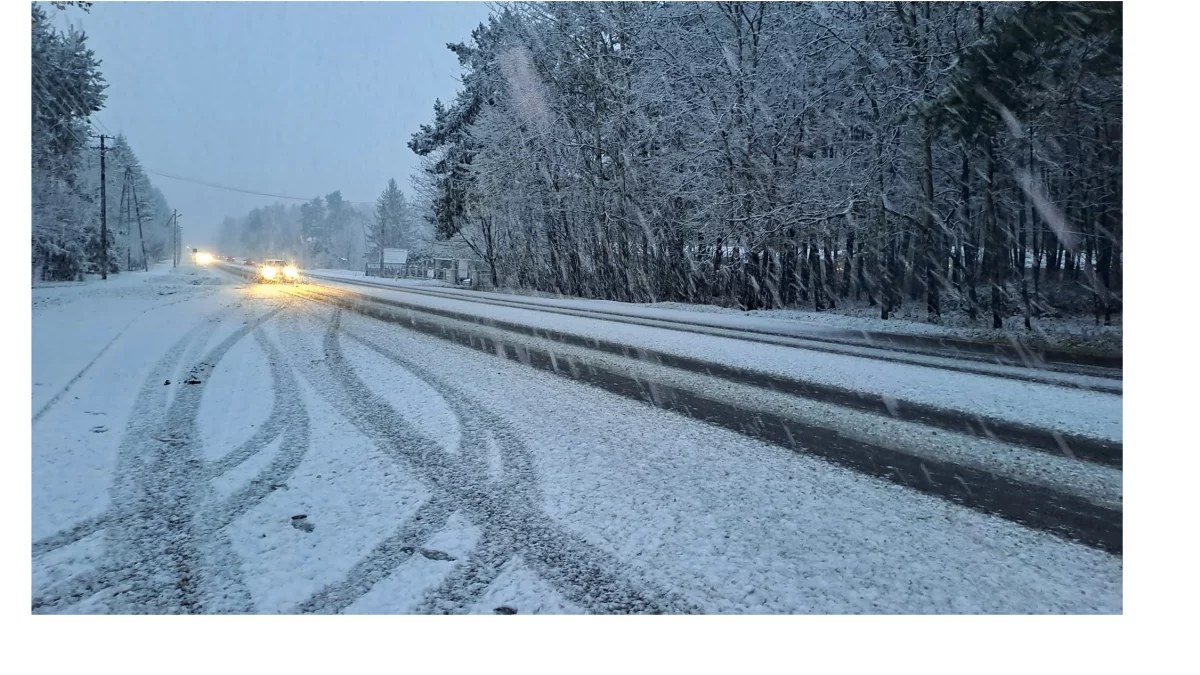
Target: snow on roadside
[(117, 279), (76, 442), (352, 274), (1047, 332), (74, 322), (1083, 412), (740, 526)]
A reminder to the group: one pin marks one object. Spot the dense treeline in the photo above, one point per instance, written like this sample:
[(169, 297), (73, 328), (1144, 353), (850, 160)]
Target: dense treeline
[(963, 157), (67, 88), (322, 232), (327, 232)]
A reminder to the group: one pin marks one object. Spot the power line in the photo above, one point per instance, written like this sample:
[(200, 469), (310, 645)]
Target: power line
[(76, 90), (67, 114), (234, 189), (75, 98)]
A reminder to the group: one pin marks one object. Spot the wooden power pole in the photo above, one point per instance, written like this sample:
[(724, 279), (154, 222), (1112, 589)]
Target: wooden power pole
[(103, 218), (138, 210)]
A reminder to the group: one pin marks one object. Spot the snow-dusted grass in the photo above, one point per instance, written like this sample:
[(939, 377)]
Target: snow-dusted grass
[(1046, 332), (133, 277)]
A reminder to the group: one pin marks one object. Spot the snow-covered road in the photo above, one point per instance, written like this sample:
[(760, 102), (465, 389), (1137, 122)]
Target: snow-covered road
[(249, 450)]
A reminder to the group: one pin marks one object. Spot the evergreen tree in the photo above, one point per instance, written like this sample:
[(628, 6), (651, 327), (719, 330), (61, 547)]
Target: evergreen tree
[(390, 228)]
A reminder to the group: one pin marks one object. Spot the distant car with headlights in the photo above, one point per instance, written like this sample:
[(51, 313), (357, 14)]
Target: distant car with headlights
[(276, 271)]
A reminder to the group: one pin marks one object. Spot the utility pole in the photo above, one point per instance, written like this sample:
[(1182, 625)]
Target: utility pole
[(175, 238), (123, 212), (103, 218), (141, 239)]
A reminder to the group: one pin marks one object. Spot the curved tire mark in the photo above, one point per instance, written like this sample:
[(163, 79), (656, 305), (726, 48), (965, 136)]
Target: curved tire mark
[(152, 543), (506, 512)]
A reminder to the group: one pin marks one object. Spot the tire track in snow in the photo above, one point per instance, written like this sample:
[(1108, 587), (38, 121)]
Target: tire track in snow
[(1031, 504), (467, 582), (506, 512), (289, 417), (144, 420), (81, 530), (384, 559), (153, 545), (149, 405)]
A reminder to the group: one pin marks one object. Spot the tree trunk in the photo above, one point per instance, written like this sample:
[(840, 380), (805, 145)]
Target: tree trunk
[(818, 274), (848, 270), (970, 237), (932, 240), (1024, 275), (1020, 260), (994, 250), (805, 270), (886, 253), (830, 285), (908, 257)]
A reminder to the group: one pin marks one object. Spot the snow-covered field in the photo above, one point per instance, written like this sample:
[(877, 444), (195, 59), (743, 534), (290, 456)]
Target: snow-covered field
[(321, 461)]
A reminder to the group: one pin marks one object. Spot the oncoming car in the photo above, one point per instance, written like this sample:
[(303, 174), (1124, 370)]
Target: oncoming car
[(277, 271)]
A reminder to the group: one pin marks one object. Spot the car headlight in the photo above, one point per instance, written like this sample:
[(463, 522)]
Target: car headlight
[(268, 272), (290, 272)]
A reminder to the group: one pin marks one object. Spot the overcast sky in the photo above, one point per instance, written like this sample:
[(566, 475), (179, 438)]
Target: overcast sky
[(295, 99)]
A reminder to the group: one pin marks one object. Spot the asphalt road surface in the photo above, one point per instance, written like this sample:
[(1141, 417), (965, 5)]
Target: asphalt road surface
[(207, 445)]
